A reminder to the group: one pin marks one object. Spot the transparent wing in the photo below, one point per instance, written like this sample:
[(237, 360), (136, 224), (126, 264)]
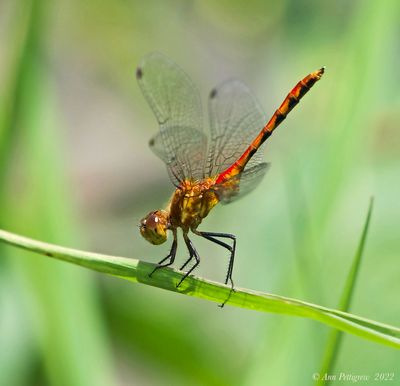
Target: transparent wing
[(235, 120), (175, 101), (183, 149), (241, 184)]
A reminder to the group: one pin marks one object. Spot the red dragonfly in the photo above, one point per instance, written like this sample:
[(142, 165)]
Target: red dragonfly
[(205, 171)]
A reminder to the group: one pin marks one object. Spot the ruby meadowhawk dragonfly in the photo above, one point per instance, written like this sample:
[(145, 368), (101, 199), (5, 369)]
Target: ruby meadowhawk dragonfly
[(205, 170)]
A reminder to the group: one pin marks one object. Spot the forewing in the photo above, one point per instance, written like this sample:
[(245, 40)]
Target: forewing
[(175, 101), (183, 150), (241, 184), (235, 120)]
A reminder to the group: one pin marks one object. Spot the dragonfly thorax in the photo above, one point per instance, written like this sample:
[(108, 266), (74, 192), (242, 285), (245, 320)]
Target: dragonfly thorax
[(191, 202)]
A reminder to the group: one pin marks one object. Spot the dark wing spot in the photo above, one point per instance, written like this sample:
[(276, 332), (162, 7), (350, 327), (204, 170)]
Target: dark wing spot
[(151, 142), (213, 93), (139, 73)]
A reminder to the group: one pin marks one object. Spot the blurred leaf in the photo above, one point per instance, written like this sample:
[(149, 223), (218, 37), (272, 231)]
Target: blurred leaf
[(367, 48), (60, 353), (23, 34), (144, 329), (335, 337), (16, 340), (138, 271)]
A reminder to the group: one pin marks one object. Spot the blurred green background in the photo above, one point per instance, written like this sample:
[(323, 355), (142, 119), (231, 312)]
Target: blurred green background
[(75, 169)]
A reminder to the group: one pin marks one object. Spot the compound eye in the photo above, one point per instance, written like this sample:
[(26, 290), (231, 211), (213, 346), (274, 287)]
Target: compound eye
[(154, 227), (152, 221)]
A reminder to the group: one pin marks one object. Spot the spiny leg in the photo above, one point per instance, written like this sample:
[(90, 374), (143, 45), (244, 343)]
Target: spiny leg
[(187, 261), (193, 253), (171, 257), (212, 237)]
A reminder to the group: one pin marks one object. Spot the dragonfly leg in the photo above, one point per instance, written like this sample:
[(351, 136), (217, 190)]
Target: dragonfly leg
[(193, 253), (170, 257), (187, 261), (231, 248), (212, 236)]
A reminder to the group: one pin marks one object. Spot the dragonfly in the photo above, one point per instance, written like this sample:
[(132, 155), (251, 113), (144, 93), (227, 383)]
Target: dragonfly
[(205, 170)]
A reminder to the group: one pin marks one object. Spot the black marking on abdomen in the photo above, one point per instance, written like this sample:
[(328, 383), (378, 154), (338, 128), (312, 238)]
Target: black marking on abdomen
[(304, 89), (279, 117), (252, 151), (293, 100)]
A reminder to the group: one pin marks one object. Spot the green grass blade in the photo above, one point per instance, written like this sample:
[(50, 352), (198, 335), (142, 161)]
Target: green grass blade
[(16, 348), (60, 297), (335, 336), (12, 89), (138, 271), (352, 276)]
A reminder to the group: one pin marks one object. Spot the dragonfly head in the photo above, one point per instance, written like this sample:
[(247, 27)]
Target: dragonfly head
[(154, 227)]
